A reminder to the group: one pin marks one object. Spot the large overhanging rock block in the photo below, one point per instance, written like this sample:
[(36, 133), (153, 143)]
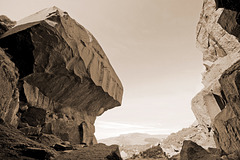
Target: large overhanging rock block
[(64, 61), (65, 78)]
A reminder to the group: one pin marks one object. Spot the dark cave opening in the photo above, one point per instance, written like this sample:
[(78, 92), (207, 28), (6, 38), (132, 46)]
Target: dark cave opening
[(19, 47)]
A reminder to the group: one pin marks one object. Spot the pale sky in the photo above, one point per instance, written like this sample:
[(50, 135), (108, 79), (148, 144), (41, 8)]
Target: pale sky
[(151, 46)]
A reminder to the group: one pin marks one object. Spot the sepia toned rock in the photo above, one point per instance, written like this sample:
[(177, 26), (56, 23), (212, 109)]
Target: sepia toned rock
[(192, 151), (65, 78), (97, 151), (5, 24), (217, 105), (15, 146), (196, 133), (9, 93), (155, 152), (213, 40)]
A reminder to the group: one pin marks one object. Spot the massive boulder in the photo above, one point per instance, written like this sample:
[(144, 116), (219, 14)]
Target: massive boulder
[(57, 77), (192, 151), (217, 105)]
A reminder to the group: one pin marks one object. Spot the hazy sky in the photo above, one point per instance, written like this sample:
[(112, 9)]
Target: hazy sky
[(151, 45)]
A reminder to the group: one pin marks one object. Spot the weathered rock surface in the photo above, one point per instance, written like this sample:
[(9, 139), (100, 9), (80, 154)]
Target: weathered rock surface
[(14, 145), (60, 76), (227, 131), (95, 152), (217, 105), (8, 89), (155, 152), (192, 151), (55, 79), (5, 24), (172, 145), (213, 40)]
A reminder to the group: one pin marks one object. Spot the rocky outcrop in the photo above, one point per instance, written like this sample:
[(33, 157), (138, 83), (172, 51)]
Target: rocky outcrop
[(217, 105), (155, 152), (5, 24), (192, 151), (98, 151), (14, 145), (8, 90), (63, 78), (197, 133), (55, 80), (227, 122)]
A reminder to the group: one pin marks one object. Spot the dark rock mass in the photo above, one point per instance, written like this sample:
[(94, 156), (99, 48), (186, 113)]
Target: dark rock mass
[(228, 4), (55, 80)]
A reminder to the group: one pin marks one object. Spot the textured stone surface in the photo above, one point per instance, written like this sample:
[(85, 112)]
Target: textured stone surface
[(5, 24), (155, 152), (192, 151), (213, 40), (9, 94), (66, 80), (96, 152), (14, 145), (218, 34), (205, 106), (199, 134), (220, 51), (227, 122)]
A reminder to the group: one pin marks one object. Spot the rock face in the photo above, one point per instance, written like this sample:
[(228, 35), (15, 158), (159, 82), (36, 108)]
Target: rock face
[(192, 151), (155, 152), (217, 105), (172, 145), (8, 90), (96, 152), (5, 24), (15, 146), (55, 78)]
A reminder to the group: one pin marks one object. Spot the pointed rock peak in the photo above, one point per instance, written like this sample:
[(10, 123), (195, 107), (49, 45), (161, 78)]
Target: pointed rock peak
[(42, 15)]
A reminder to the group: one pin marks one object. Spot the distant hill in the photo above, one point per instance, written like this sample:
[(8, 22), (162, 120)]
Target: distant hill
[(134, 139), (133, 143)]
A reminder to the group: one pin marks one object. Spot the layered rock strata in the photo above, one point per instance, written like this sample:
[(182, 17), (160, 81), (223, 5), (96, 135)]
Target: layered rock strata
[(55, 78), (217, 105)]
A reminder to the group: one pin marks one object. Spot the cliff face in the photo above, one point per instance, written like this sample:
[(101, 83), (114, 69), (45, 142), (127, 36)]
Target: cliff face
[(55, 77), (217, 105)]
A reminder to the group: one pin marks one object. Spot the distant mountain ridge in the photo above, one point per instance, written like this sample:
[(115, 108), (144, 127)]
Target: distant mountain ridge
[(133, 143), (134, 139)]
